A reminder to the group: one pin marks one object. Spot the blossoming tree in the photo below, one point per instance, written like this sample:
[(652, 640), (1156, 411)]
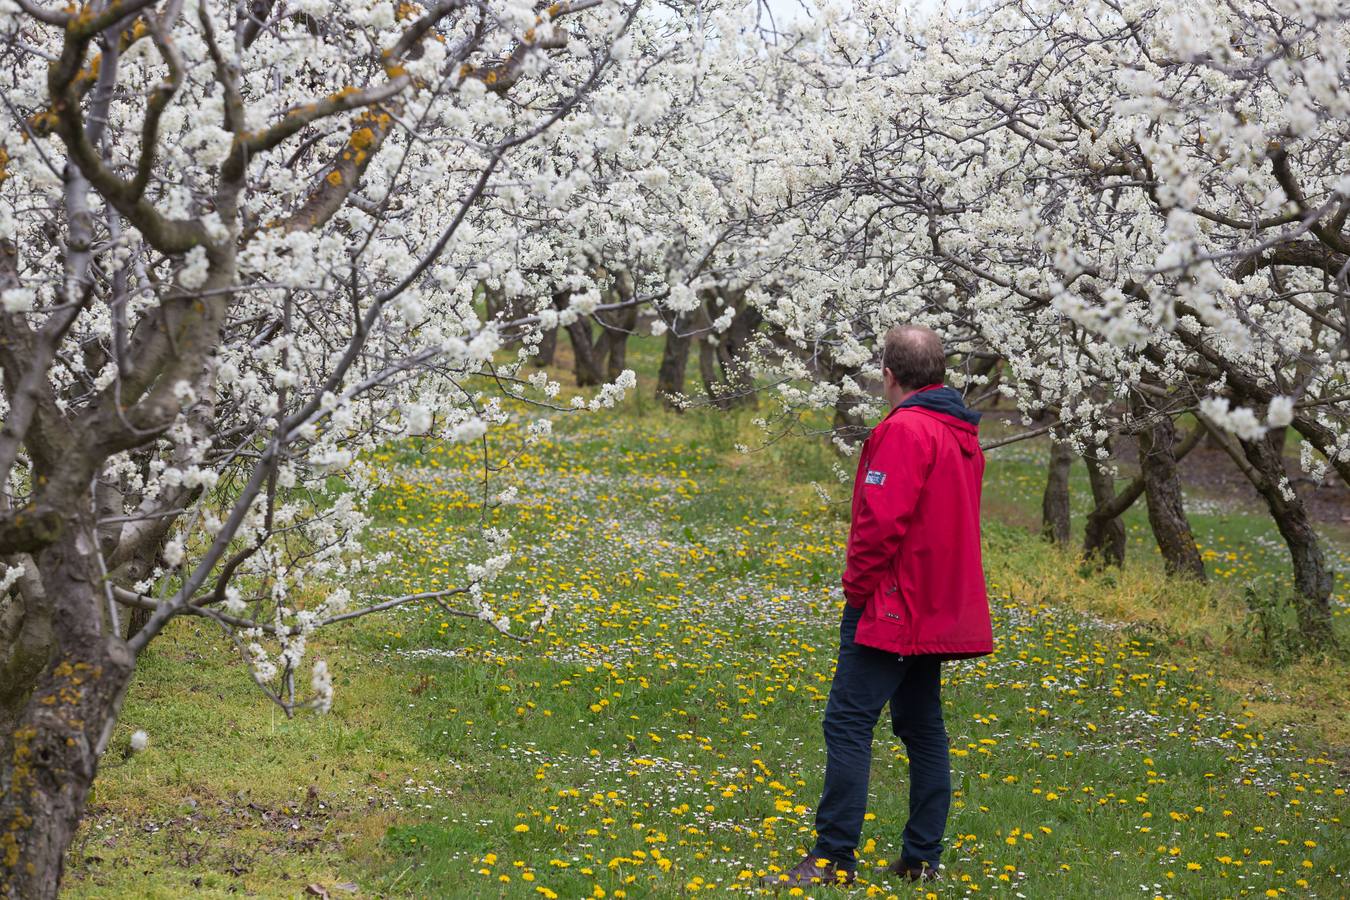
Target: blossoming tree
[(1127, 214), (239, 244)]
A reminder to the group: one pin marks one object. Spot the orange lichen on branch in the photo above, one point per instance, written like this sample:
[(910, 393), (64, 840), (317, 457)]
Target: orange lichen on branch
[(369, 130), (362, 138), (21, 779), (344, 92), (138, 30), (89, 74), (370, 122), (4, 164), (44, 122), (80, 20)]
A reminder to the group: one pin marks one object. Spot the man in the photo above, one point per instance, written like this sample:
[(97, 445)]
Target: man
[(915, 592)]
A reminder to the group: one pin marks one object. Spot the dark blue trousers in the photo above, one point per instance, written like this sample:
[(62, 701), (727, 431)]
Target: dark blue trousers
[(866, 680)]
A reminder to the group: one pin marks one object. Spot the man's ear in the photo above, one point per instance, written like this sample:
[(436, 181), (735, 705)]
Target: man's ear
[(887, 378)]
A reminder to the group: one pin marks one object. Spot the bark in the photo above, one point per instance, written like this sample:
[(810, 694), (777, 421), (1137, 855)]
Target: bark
[(1055, 525), (25, 646), (603, 347), (548, 345), (707, 369), (849, 424), (1104, 535), (674, 360), (611, 350), (734, 352), (709, 308), (617, 352), (56, 739), (584, 365), (494, 302), (1313, 579), (1279, 437), (1163, 497)]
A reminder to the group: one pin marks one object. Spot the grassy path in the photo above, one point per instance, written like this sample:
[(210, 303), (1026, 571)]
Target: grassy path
[(663, 740)]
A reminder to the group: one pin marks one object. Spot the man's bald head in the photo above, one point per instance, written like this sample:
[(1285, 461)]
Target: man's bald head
[(914, 356)]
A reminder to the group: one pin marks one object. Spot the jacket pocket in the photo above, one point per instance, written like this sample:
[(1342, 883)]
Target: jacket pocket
[(890, 602)]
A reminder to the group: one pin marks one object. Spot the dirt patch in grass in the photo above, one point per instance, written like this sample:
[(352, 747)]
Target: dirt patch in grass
[(209, 844)]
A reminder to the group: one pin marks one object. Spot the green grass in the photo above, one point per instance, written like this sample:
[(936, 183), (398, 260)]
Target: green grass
[(662, 739)]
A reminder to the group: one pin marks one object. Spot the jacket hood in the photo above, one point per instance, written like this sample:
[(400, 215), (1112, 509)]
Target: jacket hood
[(950, 405), (946, 400)]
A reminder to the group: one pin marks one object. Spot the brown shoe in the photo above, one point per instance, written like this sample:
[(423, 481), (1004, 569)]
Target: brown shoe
[(812, 870), (922, 872)]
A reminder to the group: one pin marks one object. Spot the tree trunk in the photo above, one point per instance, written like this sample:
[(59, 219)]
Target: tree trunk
[(707, 369), (1313, 580), (494, 302), (710, 303), (674, 359), (618, 354), (25, 646), (1104, 535), (735, 352), (583, 354), (617, 325), (1279, 437), (1162, 495), (849, 425), (601, 350), (584, 366), (56, 740), (1055, 526), (548, 345)]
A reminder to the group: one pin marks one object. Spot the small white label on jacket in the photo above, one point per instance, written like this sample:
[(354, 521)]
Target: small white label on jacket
[(875, 477)]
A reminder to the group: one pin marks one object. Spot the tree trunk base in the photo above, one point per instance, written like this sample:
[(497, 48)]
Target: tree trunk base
[(54, 752), (1166, 509), (1055, 525)]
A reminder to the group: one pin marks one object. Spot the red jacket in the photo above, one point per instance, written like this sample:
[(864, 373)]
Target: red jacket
[(914, 545)]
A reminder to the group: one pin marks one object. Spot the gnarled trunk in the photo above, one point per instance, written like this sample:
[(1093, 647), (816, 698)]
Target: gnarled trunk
[(56, 738), (1313, 579), (674, 359), (1166, 508), (707, 369), (25, 646), (584, 365), (548, 346), (1104, 535), (617, 352), (1055, 525), (611, 349), (849, 424), (734, 352)]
